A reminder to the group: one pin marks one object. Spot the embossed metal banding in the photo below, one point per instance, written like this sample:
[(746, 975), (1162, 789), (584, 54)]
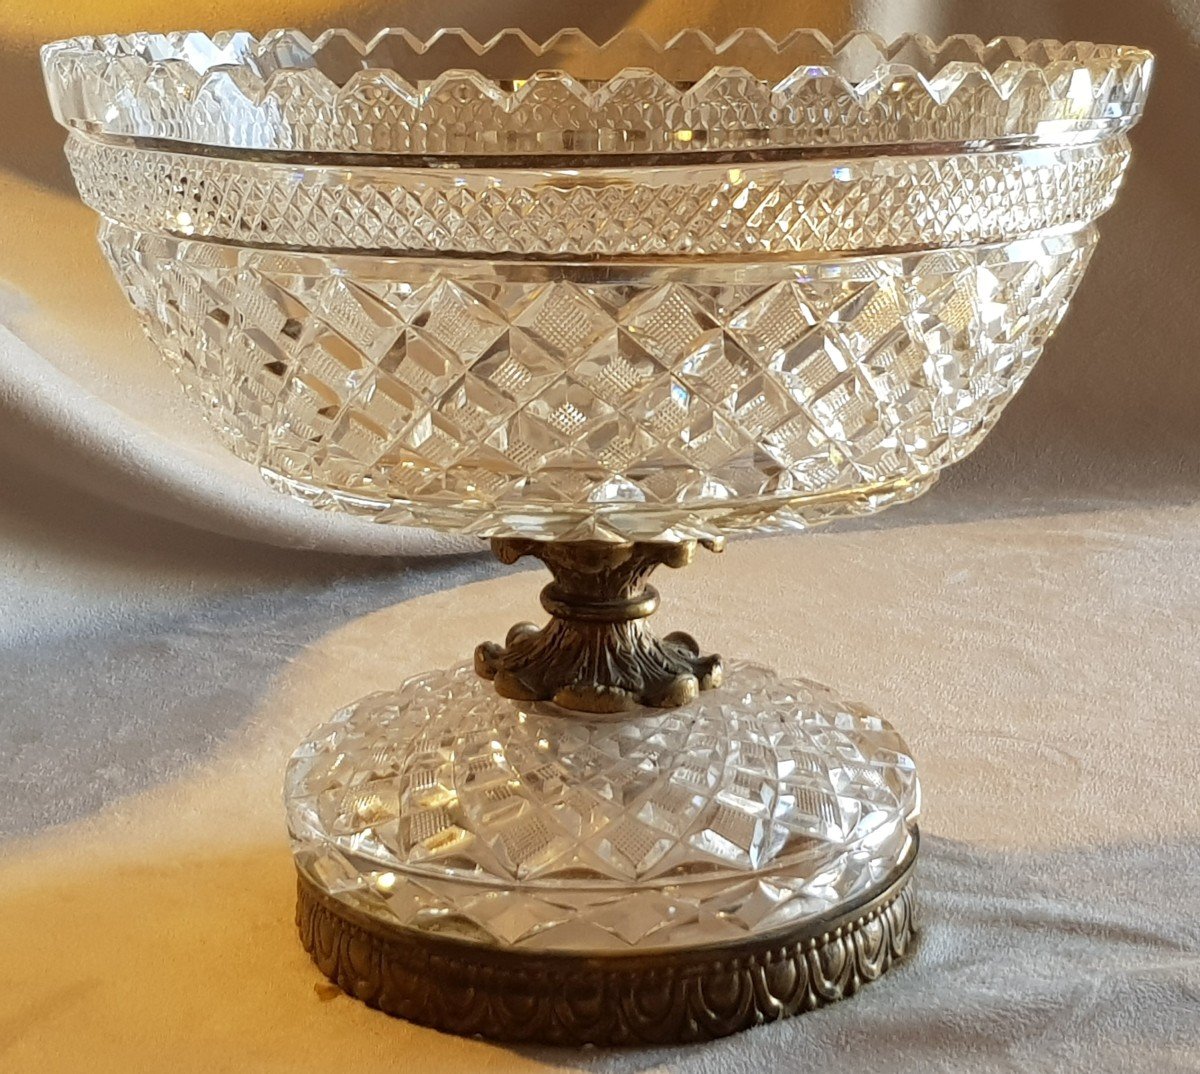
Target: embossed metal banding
[(646, 998)]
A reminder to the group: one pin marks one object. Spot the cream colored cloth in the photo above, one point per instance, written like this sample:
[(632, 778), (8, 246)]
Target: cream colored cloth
[(170, 629)]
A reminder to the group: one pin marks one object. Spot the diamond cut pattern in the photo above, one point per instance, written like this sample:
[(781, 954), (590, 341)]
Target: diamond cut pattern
[(482, 399), (877, 203), (669, 827)]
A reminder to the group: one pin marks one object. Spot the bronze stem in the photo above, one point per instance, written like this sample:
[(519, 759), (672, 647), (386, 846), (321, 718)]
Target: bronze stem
[(597, 653)]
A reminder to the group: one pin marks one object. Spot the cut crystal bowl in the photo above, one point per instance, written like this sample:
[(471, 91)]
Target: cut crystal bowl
[(620, 291), (600, 303)]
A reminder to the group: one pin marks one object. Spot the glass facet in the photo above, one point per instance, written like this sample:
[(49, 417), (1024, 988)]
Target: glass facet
[(632, 401), (509, 288), (444, 808), (808, 207), (510, 95)]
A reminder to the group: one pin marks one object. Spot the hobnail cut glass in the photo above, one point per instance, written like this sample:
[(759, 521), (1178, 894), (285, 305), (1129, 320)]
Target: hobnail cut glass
[(621, 291)]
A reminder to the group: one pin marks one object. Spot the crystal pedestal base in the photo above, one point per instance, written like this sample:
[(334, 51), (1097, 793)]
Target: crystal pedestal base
[(526, 872)]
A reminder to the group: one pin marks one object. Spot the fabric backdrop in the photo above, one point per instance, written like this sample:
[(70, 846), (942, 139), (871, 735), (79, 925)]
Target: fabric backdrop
[(170, 628)]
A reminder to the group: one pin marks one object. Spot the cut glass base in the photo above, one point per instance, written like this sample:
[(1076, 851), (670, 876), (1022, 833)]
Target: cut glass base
[(445, 810)]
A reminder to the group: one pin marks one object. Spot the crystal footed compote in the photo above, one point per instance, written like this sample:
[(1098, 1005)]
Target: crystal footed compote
[(601, 304)]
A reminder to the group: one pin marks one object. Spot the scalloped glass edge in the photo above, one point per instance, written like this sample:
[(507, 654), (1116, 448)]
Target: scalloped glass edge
[(856, 57), (279, 91)]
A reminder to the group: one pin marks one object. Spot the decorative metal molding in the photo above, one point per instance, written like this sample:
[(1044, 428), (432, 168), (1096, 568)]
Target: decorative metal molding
[(597, 653), (655, 998)]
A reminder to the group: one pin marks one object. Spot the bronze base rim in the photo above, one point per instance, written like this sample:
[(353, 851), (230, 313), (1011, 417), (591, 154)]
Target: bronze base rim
[(667, 996)]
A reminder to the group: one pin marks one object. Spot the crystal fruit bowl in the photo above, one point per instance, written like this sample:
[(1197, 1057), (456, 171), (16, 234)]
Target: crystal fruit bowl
[(599, 303)]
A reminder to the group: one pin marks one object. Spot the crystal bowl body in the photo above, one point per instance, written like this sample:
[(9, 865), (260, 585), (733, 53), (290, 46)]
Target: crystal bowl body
[(620, 291)]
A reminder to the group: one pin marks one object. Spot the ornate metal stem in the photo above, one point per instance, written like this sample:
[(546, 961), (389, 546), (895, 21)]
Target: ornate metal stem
[(597, 653)]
